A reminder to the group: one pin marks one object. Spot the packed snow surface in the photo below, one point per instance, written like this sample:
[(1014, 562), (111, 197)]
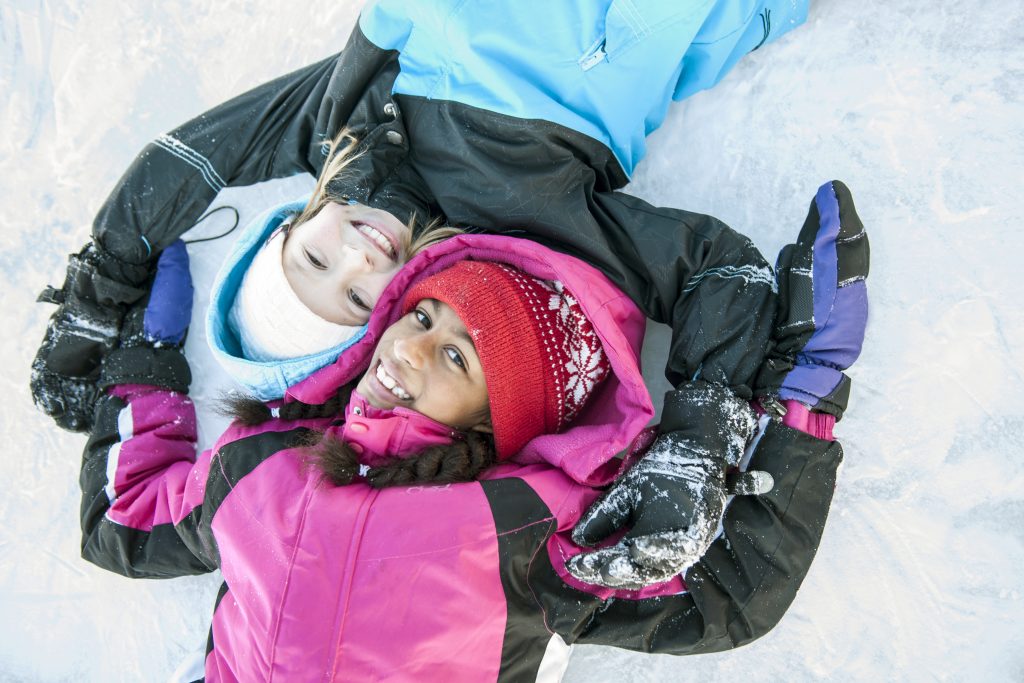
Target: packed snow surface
[(917, 107)]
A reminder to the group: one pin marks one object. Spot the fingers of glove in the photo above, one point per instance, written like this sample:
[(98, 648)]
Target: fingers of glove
[(613, 510), (665, 505), (666, 552), (822, 311), (169, 310), (749, 483), (97, 276), (78, 336), (808, 271), (841, 255), (670, 537), (851, 226), (613, 568), (795, 316), (69, 402)]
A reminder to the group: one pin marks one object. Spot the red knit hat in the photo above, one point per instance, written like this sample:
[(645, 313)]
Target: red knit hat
[(540, 355)]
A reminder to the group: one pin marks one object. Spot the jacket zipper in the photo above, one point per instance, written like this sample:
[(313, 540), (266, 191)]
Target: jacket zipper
[(593, 56), (346, 589)]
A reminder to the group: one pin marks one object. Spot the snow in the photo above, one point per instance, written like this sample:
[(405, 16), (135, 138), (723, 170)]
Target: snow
[(916, 107)]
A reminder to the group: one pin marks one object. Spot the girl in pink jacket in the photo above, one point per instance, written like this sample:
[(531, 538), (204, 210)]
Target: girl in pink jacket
[(511, 372)]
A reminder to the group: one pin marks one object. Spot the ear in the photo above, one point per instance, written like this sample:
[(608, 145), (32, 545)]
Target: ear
[(484, 426)]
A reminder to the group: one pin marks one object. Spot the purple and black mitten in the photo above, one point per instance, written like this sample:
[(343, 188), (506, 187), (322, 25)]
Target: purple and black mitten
[(823, 307), (153, 334), (86, 326)]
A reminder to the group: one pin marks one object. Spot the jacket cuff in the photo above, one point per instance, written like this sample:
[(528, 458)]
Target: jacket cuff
[(166, 368), (798, 416)]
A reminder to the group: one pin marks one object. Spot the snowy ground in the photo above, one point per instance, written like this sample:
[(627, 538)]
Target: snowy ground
[(916, 106)]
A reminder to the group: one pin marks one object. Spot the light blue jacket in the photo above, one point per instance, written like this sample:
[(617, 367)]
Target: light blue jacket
[(606, 68), (266, 380)]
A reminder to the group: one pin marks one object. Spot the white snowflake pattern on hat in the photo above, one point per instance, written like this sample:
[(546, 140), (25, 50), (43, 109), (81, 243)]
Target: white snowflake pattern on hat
[(585, 367)]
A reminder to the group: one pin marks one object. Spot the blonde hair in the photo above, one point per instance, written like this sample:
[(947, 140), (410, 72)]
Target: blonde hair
[(340, 153)]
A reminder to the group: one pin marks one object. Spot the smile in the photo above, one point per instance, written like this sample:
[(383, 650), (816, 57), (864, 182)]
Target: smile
[(381, 240), (391, 384)]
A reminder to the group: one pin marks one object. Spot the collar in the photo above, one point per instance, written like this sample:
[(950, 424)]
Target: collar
[(377, 434)]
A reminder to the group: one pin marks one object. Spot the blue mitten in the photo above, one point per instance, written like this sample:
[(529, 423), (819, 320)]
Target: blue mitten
[(823, 307), (169, 310), (154, 330)]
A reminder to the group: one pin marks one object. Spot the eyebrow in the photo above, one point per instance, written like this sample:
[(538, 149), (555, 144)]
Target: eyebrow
[(436, 305)]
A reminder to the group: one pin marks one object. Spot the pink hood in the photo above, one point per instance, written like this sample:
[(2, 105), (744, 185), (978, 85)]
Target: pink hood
[(621, 406)]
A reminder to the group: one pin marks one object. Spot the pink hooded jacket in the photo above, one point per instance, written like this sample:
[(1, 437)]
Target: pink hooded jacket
[(461, 582)]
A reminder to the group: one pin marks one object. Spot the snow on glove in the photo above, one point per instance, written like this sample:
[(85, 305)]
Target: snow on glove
[(823, 306), (674, 496), (81, 332), (153, 334)]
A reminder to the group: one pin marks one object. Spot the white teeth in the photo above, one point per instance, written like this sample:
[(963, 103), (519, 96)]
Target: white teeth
[(391, 383), (378, 237)]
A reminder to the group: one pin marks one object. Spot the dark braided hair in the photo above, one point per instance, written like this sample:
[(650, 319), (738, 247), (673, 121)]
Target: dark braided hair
[(252, 411), (459, 461)]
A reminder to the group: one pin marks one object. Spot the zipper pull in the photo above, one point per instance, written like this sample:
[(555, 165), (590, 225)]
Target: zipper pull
[(593, 56), (775, 410)]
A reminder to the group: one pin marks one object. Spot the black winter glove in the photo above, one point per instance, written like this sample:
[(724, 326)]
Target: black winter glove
[(85, 327), (674, 496), (152, 339), (823, 307)]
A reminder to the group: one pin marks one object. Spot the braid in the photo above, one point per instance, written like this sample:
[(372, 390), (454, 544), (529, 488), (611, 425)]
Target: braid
[(335, 459), (446, 464), (245, 409), (335, 405), (252, 411), (443, 464)]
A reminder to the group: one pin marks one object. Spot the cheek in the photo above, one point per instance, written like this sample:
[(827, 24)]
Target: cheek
[(291, 255), (483, 404), (292, 269), (472, 399)]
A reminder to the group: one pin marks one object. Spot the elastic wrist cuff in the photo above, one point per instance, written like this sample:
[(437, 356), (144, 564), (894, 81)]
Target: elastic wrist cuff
[(799, 416), (166, 368)]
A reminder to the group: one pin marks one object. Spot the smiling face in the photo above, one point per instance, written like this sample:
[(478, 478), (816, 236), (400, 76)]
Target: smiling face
[(426, 362), (339, 261)]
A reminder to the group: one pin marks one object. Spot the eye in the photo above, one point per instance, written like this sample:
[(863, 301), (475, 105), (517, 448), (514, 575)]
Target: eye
[(422, 318), (314, 261), (456, 357), (358, 301)]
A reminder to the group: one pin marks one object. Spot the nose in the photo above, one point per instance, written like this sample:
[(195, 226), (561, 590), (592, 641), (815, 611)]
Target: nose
[(358, 260), (413, 350)]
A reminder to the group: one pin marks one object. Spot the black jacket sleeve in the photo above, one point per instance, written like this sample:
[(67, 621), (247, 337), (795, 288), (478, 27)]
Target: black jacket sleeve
[(262, 134), (694, 273)]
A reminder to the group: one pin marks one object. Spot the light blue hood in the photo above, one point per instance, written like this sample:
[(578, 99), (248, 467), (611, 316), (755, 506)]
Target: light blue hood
[(266, 380)]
